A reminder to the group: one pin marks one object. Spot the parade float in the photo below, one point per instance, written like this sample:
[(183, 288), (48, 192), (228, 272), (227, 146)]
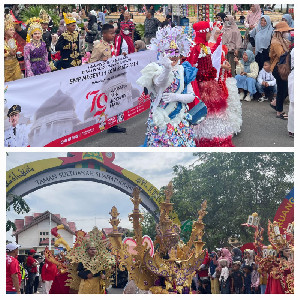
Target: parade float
[(276, 259), (173, 264)]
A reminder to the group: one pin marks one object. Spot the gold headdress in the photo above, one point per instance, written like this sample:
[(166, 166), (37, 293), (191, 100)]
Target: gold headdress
[(45, 18), (35, 26), (8, 23), (69, 19)]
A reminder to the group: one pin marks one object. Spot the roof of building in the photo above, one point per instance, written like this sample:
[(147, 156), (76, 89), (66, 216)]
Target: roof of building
[(42, 217)]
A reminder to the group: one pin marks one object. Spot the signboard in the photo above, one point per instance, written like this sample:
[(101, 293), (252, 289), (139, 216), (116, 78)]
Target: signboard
[(285, 212), (66, 106)]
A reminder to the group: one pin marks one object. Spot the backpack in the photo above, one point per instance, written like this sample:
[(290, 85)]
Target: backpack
[(284, 66)]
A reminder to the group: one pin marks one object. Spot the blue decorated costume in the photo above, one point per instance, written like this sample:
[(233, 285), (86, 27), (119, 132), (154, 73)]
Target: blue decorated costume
[(170, 89)]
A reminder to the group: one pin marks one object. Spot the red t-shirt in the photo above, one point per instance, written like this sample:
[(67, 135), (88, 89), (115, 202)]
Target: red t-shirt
[(49, 271), (12, 267), (30, 261)]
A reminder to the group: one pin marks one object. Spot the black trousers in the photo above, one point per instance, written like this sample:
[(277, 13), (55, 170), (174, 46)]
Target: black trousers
[(260, 58), (282, 90)]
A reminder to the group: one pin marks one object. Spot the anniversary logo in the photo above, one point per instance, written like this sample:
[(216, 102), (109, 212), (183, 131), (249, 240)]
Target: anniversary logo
[(64, 107)]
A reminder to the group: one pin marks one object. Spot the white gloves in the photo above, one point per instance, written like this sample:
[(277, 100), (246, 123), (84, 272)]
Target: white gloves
[(162, 79), (184, 98)]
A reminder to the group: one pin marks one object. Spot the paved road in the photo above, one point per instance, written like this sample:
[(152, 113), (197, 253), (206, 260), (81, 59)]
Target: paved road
[(260, 128)]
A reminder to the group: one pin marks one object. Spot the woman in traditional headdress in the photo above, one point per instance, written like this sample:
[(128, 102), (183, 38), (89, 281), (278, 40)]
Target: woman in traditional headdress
[(262, 35), (35, 52), (12, 69), (216, 130), (170, 89)]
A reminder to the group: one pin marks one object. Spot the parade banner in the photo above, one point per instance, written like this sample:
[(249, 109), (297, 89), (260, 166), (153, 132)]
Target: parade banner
[(66, 106), (285, 212)]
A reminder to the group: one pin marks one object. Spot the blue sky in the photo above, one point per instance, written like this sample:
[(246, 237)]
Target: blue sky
[(88, 203)]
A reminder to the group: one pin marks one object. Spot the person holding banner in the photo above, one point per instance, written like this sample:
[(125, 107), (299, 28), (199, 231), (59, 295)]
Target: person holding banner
[(35, 52), (169, 86), (12, 69), (68, 44)]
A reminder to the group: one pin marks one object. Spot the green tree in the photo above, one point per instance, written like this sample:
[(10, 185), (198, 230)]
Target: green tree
[(149, 226), (19, 205), (235, 185)]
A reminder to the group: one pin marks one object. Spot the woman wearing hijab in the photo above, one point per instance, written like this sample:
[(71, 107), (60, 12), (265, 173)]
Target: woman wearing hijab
[(279, 45), (232, 38), (288, 18), (91, 32), (212, 273), (262, 35), (220, 20), (225, 254), (251, 22), (139, 45), (247, 70)]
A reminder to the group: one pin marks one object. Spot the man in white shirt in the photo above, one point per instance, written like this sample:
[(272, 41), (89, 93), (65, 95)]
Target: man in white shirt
[(16, 135)]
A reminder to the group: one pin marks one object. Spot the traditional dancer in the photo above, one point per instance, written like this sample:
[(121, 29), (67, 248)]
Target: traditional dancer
[(12, 69), (35, 52), (170, 89), (68, 44), (216, 130)]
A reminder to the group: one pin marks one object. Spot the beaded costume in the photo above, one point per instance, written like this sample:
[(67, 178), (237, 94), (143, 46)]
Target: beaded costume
[(12, 69), (276, 259), (35, 53), (217, 129), (168, 123)]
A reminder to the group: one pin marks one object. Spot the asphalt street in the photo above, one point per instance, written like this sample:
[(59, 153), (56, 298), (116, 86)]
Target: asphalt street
[(260, 128)]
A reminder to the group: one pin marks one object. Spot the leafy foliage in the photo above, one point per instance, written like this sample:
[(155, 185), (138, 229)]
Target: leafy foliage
[(19, 205), (235, 185), (140, 28), (34, 11), (149, 226)]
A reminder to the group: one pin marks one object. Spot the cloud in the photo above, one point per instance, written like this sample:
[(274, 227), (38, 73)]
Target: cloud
[(89, 203)]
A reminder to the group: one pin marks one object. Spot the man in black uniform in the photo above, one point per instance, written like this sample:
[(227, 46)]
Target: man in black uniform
[(68, 44)]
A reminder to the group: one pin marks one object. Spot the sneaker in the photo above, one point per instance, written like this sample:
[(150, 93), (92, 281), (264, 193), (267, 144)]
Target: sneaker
[(262, 99), (242, 96), (116, 129), (248, 97)]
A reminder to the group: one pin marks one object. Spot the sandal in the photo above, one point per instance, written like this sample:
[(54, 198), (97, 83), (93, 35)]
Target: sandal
[(273, 106), (282, 116)]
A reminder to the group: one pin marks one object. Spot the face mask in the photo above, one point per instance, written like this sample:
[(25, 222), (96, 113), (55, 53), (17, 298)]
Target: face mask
[(286, 36), (126, 32)]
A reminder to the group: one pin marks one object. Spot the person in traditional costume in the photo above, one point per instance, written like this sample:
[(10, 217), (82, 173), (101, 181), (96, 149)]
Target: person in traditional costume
[(91, 283), (47, 37), (12, 69), (68, 44), (228, 83), (216, 130), (170, 89), (35, 52)]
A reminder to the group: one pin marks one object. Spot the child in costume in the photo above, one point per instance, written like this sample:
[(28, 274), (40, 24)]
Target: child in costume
[(227, 82), (170, 89), (216, 130), (35, 52)]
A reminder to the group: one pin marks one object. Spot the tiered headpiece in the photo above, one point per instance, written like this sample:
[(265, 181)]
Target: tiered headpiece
[(69, 19), (8, 23), (201, 28), (44, 17), (171, 41), (35, 26)]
